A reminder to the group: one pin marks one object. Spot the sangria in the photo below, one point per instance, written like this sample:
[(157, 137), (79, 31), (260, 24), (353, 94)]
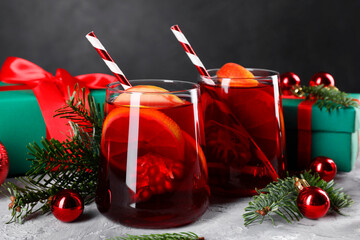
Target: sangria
[(153, 171), (244, 129)]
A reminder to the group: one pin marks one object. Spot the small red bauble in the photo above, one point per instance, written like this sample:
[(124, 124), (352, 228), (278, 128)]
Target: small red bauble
[(313, 202), (322, 78), (325, 167), (4, 163), (67, 205), (287, 81)]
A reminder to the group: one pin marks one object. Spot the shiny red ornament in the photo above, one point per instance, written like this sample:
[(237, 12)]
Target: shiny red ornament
[(4, 163), (313, 202), (325, 167), (67, 205), (322, 78), (287, 81)]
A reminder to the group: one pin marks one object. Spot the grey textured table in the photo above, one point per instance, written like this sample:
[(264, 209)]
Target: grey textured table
[(221, 221)]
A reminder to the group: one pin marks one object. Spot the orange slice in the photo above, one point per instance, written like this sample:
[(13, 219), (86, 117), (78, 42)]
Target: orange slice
[(156, 132), (154, 97), (238, 75), (158, 148), (255, 109)]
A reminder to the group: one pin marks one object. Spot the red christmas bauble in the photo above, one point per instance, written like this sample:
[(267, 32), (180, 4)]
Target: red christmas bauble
[(325, 167), (4, 163), (313, 202), (287, 81), (67, 205), (322, 78)]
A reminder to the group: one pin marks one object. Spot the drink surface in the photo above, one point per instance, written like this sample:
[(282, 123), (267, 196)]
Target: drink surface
[(244, 137), (153, 173)]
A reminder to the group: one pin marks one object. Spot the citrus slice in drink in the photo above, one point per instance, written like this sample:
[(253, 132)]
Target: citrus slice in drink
[(253, 105), (151, 131), (153, 97), (255, 109), (228, 143), (226, 140), (149, 138), (157, 174), (235, 75)]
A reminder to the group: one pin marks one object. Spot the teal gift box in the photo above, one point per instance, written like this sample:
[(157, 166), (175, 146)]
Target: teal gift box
[(21, 123), (334, 134), (29, 97)]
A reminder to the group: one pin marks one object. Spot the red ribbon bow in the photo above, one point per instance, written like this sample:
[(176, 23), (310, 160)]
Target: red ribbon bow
[(51, 91)]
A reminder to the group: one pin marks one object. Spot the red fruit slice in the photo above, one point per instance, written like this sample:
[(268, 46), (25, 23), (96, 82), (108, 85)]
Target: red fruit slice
[(238, 75), (154, 97), (158, 175)]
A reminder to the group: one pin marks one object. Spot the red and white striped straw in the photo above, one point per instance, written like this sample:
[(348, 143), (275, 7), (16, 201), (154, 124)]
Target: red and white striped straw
[(95, 42), (191, 54)]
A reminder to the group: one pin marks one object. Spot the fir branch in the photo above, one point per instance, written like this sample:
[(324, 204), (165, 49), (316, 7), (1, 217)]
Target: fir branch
[(326, 97), (279, 198), (163, 236), (27, 198), (71, 164), (76, 110), (338, 199)]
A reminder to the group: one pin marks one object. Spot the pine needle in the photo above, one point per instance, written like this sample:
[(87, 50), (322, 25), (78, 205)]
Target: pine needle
[(329, 98), (279, 198), (55, 165)]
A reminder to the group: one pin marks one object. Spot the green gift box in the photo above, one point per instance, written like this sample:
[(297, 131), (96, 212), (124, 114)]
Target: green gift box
[(334, 134), (21, 122)]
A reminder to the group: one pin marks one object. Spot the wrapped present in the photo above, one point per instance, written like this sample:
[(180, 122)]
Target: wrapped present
[(311, 132), (29, 97)]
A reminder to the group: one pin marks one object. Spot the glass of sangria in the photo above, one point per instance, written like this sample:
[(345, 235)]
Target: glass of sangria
[(244, 131), (153, 172)]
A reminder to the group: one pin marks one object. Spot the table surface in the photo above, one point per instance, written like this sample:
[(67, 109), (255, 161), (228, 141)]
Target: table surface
[(223, 220)]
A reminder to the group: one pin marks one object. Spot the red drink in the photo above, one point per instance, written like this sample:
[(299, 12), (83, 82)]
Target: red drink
[(244, 134), (153, 172)]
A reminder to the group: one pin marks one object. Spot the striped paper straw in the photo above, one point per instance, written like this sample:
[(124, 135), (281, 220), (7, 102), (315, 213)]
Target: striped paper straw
[(191, 54), (108, 60)]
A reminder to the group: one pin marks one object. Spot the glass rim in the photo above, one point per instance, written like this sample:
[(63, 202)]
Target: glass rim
[(270, 75), (192, 86)]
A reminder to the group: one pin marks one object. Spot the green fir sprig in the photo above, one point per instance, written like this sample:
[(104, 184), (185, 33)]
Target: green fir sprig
[(87, 115), (163, 236), (329, 98), (71, 164), (279, 198)]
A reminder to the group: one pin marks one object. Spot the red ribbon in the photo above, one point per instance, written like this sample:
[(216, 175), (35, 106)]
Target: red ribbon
[(304, 133), (51, 91)]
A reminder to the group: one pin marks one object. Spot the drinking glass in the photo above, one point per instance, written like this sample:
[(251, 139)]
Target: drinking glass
[(244, 131), (153, 172)]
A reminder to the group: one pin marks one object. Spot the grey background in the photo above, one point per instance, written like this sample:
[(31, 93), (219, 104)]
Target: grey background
[(285, 35)]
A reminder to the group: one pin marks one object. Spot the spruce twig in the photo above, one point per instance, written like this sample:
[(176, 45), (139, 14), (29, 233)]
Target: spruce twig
[(76, 110), (279, 198), (338, 199), (58, 165), (329, 98)]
